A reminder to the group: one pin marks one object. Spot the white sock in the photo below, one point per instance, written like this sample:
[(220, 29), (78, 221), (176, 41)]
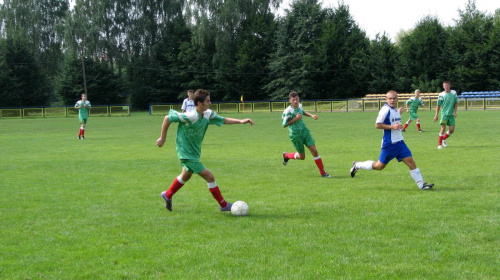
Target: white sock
[(366, 165), (296, 155), (318, 157), (179, 178), (448, 132), (417, 176), (212, 185)]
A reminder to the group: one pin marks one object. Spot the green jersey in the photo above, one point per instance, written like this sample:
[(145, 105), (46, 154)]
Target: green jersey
[(83, 113), (191, 131), (447, 102), (290, 113), (414, 103)]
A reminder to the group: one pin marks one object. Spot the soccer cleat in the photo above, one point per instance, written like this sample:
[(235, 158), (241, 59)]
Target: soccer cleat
[(79, 137), (353, 169), (326, 175), (227, 208), (420, 131), (285, 160), (440, 147), (427, 186), (168, 202), (83, 137), (444, 143), (403, 130)]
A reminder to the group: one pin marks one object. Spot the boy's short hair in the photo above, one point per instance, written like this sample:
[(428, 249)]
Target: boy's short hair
[(292, 94), (200, 95), (190, 91), (447, 82)]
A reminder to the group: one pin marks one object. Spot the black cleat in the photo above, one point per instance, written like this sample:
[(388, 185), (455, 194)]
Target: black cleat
[(326, 175), (427, 186), (168, 202), (353, 169), (285, 160)]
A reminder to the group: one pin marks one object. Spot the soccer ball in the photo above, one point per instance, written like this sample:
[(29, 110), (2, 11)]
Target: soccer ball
[(239, 208)]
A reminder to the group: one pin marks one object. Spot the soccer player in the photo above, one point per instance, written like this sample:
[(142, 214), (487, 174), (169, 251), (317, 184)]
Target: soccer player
[(190, 134), (83, 107), (412, 106), (393, 146), (188, 104), (299, 134), (447, 100)]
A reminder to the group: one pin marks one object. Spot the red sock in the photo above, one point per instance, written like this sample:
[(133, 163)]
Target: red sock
[(405, 126), (176, 185), (319, 163), (440, 140), (418, 126), (218, 196), (83, 131), (80, 133), (290, 155), (446, 136)]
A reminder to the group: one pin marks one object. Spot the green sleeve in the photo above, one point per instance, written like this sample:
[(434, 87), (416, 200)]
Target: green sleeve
[(216, 119)]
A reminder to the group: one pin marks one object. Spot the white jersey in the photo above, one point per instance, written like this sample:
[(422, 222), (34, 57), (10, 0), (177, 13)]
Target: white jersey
[(390, 116), (188, 105)]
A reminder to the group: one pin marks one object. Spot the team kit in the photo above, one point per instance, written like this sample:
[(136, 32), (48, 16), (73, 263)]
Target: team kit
[(196, 116)]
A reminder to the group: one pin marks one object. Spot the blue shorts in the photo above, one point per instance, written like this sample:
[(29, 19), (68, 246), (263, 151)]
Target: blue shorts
[(397, 150)]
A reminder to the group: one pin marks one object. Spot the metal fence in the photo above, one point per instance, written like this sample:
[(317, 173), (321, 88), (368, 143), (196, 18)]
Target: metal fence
[(346, 105), (63, 111)]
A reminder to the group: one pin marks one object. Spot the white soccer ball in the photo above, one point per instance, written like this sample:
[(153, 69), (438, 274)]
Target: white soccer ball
[(239, 208)]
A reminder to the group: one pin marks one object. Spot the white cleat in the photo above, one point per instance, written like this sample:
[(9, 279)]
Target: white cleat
[(440, 147), (444, 144)]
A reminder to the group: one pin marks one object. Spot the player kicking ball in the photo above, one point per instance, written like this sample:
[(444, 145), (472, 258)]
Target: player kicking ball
[(299, 134), (393, 146), (190, 134)]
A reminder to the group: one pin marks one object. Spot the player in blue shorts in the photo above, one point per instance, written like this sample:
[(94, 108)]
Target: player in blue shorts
[(393, 146)]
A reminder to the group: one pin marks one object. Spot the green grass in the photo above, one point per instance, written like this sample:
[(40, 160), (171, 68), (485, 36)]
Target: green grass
[(91, 209)]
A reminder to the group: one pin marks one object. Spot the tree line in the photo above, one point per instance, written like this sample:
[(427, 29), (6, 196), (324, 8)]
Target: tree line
[(149, 51)]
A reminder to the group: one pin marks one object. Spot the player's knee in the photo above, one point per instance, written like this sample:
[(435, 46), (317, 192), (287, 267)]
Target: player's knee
[(301, 156)]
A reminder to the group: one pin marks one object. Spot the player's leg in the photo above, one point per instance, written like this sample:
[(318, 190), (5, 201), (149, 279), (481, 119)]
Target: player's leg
[(366, 165), (418, 125), (82, 128), (451, 129), (176, 185), (406, 124), (214, 189), (441, 136), (298, 143), (416, 174), (318, 161)]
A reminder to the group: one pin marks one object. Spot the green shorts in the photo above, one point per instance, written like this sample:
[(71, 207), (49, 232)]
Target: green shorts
[(192, 165), (301, 139), (413, 115), (83, 120), (448, 120)]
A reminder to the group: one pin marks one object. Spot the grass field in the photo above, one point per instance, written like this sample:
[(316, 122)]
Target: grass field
[(91, 209)]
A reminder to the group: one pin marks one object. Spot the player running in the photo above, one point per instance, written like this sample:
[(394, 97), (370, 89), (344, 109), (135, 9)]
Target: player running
[(412, 107), (83, 107), (190, 134), (393, 146), (299, 134), (447, 100)]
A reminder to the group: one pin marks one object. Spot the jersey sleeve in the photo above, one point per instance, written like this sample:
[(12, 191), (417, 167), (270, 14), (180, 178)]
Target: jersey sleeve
[(174, 116), (408, 101), (184, 105), (286, 117), (77, 104), (216, 119), (440, 100), (88, 104), (382, 114)]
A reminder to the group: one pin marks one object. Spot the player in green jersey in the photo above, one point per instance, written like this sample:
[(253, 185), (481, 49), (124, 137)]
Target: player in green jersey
[(412, 107), (448, 101), (299, 134), (190, 134), (83, 107)]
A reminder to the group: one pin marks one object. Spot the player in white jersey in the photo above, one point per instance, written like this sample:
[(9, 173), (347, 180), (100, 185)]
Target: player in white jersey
[(393, 146), (188, 103)]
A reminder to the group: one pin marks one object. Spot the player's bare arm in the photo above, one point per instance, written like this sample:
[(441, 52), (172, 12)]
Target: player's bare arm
[(437, 112), (388, 126), (311, 115), (297, 117), (455, 111), (238, 121), (164, 129)]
